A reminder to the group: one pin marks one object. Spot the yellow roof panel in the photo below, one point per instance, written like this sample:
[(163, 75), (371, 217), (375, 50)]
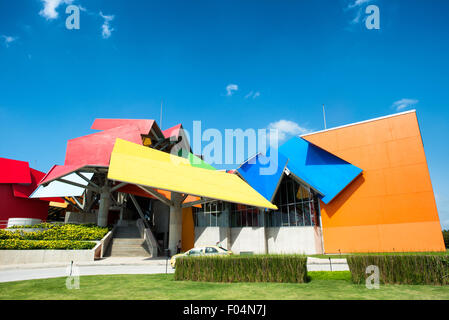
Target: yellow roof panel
[(58, 204), (140, 165)]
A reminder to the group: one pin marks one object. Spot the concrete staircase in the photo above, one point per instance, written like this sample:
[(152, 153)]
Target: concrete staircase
[(127, 242)]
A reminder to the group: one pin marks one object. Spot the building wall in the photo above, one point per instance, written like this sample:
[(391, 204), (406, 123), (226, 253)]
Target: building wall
[(291, 240), (16, 207), (248, 239), (259, 240), (391, 206), (209, 236)]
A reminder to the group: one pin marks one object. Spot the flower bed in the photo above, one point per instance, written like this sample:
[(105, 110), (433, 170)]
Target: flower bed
[(48, 231), (16, 244)]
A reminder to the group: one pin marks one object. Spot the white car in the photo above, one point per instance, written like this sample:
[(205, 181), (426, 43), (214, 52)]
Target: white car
[(207, 250)]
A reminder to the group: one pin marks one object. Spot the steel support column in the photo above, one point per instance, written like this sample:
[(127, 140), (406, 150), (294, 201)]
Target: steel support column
[(103, 210), (175, 226)]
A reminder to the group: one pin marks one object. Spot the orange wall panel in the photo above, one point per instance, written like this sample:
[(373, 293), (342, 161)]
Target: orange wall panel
[(391, 206)]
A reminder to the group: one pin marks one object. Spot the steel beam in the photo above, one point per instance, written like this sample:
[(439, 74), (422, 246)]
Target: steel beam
[(87, 180), (156, 194), (193, 203), (78, 185), (122, 184), (136, 204)]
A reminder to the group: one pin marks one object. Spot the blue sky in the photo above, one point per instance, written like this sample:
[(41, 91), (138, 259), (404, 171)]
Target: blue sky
[(285, 58)]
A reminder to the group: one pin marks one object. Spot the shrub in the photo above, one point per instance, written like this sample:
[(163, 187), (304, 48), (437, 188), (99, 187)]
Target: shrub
[(255, 268), (6, 234), (57, 232), (446, 238), (15, 244), (44, 225), (402, 269)]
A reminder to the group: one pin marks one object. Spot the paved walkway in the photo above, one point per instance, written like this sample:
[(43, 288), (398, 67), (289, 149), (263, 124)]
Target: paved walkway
[(315, 264), (125, 265), (110, 265)]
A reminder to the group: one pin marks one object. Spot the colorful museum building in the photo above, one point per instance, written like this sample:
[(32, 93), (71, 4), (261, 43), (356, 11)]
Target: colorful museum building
[(362, 187)]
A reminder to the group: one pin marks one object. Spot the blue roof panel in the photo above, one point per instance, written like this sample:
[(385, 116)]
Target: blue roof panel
[(263, 173), (323, 171)]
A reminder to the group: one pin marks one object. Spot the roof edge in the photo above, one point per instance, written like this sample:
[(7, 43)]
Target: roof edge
[(360, 122)]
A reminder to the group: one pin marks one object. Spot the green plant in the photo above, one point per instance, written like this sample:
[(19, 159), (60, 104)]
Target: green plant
[(16, 244), (57, 232), (255, 268), (402, 269), (44, 225)]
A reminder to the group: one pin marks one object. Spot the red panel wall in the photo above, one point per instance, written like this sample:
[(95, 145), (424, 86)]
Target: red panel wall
[(15, 207)]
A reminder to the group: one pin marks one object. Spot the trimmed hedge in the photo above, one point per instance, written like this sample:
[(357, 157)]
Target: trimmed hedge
[(254, 268), (57, 232), (15, 244), (402, 269)]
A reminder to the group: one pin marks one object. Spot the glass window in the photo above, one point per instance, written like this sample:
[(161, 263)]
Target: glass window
[(249, 218), (300, 214), (284, 212), (195, 252), (211, 250), (307, 220), (292, 215), (221, 214), (213, 219), (256, 219), (297, 205), (283, 189)]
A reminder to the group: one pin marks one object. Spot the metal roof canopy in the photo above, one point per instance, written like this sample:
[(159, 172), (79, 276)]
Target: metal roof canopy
[(152, 169), (321, 170), (71, 184), (252, 172)]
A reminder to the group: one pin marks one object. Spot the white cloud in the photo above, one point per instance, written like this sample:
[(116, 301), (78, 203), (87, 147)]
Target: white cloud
[(230, 88), (7, 40), (106, 29), (358, 3), (287, 128), (49, 11), (252, 94), (357, 17), (404, 103)]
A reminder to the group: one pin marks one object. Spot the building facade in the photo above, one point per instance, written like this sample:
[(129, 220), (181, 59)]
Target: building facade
[(363, 187), (387, 206)]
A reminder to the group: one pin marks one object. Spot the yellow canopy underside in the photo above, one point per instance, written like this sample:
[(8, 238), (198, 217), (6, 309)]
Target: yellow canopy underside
[(136, 164)]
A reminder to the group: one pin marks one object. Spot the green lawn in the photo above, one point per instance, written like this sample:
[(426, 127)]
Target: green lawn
[(324, 285)]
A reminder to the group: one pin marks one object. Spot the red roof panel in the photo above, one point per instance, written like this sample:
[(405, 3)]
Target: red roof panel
[(144, 125), (173, 131), (95, 149), (25, 190), (14, 171), (59, 171)]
